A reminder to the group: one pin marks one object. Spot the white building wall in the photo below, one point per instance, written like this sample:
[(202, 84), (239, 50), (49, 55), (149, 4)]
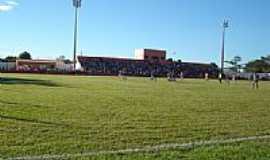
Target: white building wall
[(139, 54), (7, 66), (63, 67), (245, 75)]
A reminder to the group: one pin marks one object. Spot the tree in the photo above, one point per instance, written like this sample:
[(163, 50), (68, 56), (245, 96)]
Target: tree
[(266, 59), (61, 58), (213, 64), (258, 66), (170, 60), (11, 58), (234, 64), (25, 55)]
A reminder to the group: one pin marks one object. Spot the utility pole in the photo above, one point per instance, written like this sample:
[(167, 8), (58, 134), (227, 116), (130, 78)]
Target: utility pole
[(76, 4)]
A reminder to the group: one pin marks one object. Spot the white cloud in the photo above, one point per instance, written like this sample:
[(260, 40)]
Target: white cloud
[(8, 6), (12, 3), (5, 8)]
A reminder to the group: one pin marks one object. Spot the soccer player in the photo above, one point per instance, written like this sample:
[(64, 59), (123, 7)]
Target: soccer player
[(120, 74), (153, 76), (255, 81), (233, 78), (168, 76), (220, 78), (182, 76), (206, 76), (171, 77)]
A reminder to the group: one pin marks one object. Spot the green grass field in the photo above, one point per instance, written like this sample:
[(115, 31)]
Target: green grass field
[(44, 114)]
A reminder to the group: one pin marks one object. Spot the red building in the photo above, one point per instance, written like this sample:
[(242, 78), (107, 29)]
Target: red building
[(150, 54)]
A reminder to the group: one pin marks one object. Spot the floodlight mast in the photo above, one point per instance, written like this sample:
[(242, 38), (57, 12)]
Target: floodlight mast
[(225, 25), (76, 4)]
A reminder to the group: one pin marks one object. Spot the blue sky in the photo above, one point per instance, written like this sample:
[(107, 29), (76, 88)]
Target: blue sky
[(191, 28)]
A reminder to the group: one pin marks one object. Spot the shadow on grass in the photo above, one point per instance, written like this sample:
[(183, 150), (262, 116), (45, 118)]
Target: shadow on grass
[(33, 121), (41, 122), (11, 80), (20, 104)]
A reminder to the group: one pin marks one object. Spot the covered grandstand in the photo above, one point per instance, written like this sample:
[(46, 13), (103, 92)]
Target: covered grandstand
[(145, 63), (134, 67)]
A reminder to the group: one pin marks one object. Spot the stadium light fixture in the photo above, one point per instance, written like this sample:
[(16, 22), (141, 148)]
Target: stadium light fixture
[(225, 25), (77, 4)]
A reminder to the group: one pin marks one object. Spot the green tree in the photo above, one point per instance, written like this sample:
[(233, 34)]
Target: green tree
[(214, 65), (25, 55), (266, 59), (11, 58), (234, 64), (170, 60), (259, 66)]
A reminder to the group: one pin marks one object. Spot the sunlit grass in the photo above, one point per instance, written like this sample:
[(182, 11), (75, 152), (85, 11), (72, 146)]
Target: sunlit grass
[(42, 114)]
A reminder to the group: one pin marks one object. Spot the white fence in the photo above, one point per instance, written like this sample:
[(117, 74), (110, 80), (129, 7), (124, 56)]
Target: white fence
[(265, 76)]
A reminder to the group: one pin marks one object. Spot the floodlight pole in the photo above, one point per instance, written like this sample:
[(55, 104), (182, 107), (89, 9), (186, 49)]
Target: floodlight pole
[(225, 25), (75, 39), (76, 4)]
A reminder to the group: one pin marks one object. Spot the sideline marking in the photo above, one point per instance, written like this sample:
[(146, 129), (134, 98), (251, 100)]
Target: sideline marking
[(145, 149)]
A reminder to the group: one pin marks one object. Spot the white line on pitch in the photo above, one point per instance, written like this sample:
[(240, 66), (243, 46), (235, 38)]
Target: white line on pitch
[(145, 149)]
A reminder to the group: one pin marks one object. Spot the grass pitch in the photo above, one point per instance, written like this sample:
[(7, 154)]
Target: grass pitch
[(43, 114)]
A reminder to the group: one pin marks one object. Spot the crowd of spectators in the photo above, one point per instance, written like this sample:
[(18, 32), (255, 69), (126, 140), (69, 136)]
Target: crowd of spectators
[(131, 67), (32, 69), (112, 66), (198, 70)]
